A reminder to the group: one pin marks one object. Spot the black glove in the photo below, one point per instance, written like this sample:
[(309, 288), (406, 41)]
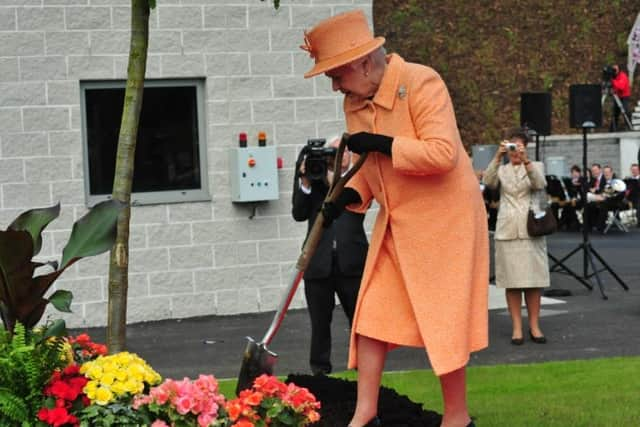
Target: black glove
[(363, 142), (332, 210)]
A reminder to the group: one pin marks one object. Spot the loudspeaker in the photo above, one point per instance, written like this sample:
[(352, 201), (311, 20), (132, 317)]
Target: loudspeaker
[(535, 111), (585, 105)]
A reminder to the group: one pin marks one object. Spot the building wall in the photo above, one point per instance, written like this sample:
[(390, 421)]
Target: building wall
[(186, 259)]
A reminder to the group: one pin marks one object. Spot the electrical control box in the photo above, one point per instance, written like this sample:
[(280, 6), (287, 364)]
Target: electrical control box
[(254, 173)]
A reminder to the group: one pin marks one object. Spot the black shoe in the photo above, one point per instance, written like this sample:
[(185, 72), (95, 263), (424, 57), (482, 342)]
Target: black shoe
[(375, 422), (471, 424), (517, 341), (537, 340)]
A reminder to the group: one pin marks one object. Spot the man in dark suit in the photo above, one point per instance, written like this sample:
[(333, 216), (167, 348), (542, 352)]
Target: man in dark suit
[(597, 183), (335, 268)]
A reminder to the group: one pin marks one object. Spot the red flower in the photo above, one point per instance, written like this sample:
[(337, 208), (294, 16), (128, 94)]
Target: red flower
[(57, 417), (63, 390), (66, 388), (71, 370), (82, 339), (254, 399)]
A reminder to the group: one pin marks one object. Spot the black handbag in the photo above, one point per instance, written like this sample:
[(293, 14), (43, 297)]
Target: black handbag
[(541, 225), (540, 221)]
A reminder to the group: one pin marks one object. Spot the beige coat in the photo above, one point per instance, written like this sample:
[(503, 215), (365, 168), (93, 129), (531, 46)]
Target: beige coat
[(516, 186), (431, 213)]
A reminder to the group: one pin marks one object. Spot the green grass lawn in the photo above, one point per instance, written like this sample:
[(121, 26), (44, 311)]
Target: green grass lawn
[(589, 393)]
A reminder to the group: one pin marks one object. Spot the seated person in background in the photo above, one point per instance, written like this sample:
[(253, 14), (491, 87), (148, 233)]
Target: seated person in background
[(556, 195), (599, 204), (564, 196), (608, 174), (633, 190), (573, 186), (596, 182)]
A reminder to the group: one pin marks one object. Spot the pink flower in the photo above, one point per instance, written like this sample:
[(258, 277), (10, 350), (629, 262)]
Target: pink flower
[(161, 393), (204, 420), (159, 423), (183, 405), (139, 401), (207, 383)]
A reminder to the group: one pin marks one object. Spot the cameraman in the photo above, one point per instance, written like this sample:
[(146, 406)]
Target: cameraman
[(337, 265), (621, 87)]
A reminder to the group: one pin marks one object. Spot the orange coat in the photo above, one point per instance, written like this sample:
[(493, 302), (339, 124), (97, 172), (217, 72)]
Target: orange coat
[(431, 203)]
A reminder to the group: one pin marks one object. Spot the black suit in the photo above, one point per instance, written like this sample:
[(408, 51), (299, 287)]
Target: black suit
[(601, 185), (335, 268), (593, 211)]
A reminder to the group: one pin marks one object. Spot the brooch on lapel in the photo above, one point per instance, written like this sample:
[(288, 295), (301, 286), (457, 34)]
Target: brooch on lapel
[(402, 92)]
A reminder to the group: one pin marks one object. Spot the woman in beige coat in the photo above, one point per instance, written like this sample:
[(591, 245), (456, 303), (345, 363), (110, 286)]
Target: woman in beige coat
[(521, 260)]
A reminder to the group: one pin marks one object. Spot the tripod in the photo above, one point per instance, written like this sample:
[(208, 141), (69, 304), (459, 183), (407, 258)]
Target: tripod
[(589, 253), (608, 91)]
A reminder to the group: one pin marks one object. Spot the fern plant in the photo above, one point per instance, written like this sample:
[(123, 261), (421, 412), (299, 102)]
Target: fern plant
[(27, 360)]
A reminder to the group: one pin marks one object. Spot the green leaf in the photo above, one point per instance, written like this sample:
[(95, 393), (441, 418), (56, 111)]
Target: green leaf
[(34, 221), (57, 328), (61, 300), (152, 4), (274, 411), (94, 233)]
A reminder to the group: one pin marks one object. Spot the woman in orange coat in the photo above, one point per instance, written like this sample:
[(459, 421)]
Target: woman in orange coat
[(426, 277)]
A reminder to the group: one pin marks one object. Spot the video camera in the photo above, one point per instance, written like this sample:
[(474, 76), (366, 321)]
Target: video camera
[(608, 73), (316, 157)]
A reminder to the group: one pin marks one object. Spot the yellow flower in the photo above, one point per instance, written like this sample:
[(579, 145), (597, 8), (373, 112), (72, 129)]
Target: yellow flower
[(133, 386), (124, 358), (135, 371), (94, 372), (103, 396), (90, 389), (117, 375), (118, 388), (108, 378), (121, 375)]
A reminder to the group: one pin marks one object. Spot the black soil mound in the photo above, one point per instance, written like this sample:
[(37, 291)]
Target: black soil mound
[(338, 398)]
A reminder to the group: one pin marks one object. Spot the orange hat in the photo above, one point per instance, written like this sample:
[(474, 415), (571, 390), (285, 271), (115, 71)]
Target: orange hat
[(339, 40)]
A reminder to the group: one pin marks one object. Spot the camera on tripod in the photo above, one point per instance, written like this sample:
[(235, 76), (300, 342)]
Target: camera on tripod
[(609, 72), (317, 159)]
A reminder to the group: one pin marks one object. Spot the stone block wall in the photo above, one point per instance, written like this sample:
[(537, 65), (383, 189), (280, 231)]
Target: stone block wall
[(187, 259)]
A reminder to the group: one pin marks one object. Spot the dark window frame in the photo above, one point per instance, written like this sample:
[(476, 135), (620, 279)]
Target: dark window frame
[(153, 197)]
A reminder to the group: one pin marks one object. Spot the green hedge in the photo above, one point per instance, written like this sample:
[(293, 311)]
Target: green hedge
[(488, 52)]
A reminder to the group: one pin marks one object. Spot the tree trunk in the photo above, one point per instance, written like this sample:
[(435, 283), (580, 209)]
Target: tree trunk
[(122, 182)]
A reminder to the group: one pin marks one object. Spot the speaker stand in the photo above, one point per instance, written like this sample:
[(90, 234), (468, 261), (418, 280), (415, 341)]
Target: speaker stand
[(589, 253)]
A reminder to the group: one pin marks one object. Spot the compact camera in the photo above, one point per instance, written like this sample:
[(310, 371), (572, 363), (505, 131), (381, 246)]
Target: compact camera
[(317, 158), (511, 146)]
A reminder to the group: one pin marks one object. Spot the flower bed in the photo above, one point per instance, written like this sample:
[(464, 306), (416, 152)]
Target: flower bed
[(338, 399), (49, 380)]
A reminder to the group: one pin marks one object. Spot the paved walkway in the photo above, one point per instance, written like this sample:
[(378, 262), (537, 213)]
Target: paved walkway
[(578, 327)]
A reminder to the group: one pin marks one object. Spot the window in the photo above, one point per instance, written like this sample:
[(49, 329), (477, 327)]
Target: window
[(170, 160)]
